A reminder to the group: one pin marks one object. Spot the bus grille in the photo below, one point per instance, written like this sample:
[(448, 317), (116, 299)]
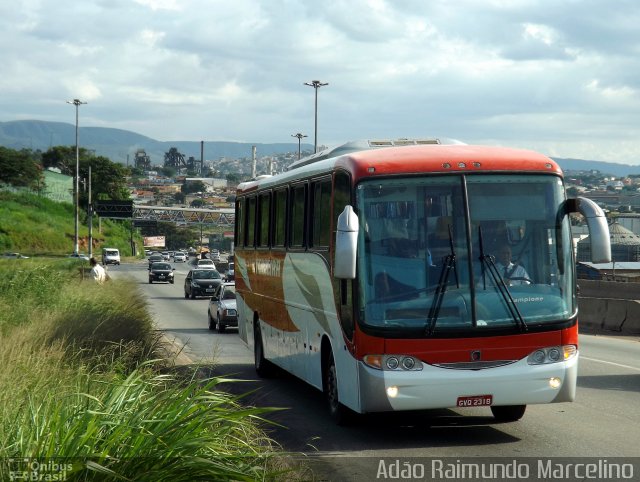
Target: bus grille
[(475, 365)]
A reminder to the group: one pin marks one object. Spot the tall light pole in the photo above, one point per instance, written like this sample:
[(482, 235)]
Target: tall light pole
[(299, 136), (77, 103), (316, 84)]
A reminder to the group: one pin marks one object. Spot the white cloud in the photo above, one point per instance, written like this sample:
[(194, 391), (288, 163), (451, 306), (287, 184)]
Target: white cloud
[(529, 73)]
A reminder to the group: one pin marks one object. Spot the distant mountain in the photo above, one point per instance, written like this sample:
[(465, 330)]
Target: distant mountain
[(117, 144), (611, 168)]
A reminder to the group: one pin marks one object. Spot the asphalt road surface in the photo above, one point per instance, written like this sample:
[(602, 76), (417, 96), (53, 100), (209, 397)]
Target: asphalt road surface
[(603, 422)]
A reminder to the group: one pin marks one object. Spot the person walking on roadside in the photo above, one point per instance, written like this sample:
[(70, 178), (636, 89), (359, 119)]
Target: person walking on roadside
[(97, 271)]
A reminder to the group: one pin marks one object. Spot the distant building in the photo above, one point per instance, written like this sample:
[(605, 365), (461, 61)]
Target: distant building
[(615, 271), (625, 245), (210, 182)]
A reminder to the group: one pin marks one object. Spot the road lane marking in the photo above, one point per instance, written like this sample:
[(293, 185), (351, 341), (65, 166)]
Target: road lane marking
[(610, 363)]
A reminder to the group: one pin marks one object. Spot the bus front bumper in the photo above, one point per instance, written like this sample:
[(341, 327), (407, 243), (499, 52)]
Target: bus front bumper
[(434, 387)]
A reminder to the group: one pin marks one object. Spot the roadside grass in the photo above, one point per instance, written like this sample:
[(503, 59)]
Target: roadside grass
[(80, 386)]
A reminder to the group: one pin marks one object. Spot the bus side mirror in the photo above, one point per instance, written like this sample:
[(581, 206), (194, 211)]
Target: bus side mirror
[(598, 227), (344, 266)]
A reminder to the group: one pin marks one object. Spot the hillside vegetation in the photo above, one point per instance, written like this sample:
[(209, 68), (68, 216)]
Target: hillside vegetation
[(34, 225)]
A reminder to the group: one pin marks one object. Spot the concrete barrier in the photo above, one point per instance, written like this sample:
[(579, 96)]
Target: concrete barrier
[(609, 315)]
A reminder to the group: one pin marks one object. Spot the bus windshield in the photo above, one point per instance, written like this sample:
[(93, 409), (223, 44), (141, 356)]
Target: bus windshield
[(463, 253)]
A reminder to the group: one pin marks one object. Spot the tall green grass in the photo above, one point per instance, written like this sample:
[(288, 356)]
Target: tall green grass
[(79, 384)]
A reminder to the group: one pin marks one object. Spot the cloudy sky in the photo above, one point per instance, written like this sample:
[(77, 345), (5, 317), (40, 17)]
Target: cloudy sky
[(558, 76)]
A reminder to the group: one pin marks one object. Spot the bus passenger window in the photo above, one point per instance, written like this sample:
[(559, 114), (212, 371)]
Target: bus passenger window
[(240, 218), (264, 209), (341, 195), (321, 215), (298, 208), (280, 215), (251, 222)]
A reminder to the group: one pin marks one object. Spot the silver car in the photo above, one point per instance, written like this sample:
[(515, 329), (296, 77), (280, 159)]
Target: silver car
[(222, 308)]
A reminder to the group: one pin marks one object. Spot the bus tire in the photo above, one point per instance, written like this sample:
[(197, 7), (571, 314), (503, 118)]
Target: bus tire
[(508, 413), (340, 414), (264, 367)]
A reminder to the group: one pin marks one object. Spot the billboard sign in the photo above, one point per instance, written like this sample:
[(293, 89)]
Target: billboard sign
[(154, 241)]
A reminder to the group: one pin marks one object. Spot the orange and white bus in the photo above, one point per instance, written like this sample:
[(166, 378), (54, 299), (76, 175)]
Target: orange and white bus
[(415, 274)]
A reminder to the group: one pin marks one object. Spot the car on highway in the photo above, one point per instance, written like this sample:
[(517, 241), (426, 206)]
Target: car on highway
[(155, 258), (179, 257), (14, 256), (222, 308), (205, 264), (230, 275), (161, 271), (110, 256), (81, 256), (201, 282)]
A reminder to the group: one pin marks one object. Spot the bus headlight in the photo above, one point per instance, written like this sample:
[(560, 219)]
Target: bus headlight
[(552, 354), (393, 362)]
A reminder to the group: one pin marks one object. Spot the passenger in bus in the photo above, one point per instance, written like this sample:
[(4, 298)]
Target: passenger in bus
[(513, 274)]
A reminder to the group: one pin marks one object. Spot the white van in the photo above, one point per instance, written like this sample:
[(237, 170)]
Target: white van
[(110, 256)]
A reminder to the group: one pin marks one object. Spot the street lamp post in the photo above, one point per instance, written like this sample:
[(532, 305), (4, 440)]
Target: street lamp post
[(299, 136), (316, 84), (77, 103)]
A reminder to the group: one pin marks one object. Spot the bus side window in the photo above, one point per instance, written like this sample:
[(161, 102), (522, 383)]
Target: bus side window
[(298, 216), (280, 217), (264, 210), (320, 228), (240, 219), (250, 237), (341, 195)]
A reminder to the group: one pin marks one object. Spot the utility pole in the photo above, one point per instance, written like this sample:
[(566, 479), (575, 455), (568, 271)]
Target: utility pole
[(316, 84), (299, 136), (77, 103), (90, 210)]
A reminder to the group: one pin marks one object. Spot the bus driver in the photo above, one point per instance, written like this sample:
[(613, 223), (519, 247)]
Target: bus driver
[(513, 274)]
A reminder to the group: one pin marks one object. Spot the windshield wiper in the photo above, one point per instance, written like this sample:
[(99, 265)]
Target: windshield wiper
[(448, 265), (488, 263)]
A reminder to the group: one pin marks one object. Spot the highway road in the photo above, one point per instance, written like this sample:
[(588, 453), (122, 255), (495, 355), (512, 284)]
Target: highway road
[(603, 422)]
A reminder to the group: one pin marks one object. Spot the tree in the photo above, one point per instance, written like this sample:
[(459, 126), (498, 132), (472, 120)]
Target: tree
[(20, 168), (169, 171), (108, 179), (179, 197), (197, 203), (233, 178), (193, 186)]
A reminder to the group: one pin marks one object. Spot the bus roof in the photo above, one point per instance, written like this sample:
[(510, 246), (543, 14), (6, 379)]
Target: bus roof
[(364, 145), (415, 159)]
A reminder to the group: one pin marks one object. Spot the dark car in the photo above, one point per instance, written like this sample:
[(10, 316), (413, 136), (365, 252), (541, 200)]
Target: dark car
[(222, 308), (161, 272), (155, 258), (201, 282)]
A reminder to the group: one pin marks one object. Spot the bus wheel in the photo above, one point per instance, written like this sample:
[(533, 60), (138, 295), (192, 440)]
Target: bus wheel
[(264, 368), (509, 413), (340, 414)]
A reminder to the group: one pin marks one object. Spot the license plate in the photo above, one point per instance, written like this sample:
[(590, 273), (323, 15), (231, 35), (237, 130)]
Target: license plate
[(475, 401), (209, 290), (161, 276)]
